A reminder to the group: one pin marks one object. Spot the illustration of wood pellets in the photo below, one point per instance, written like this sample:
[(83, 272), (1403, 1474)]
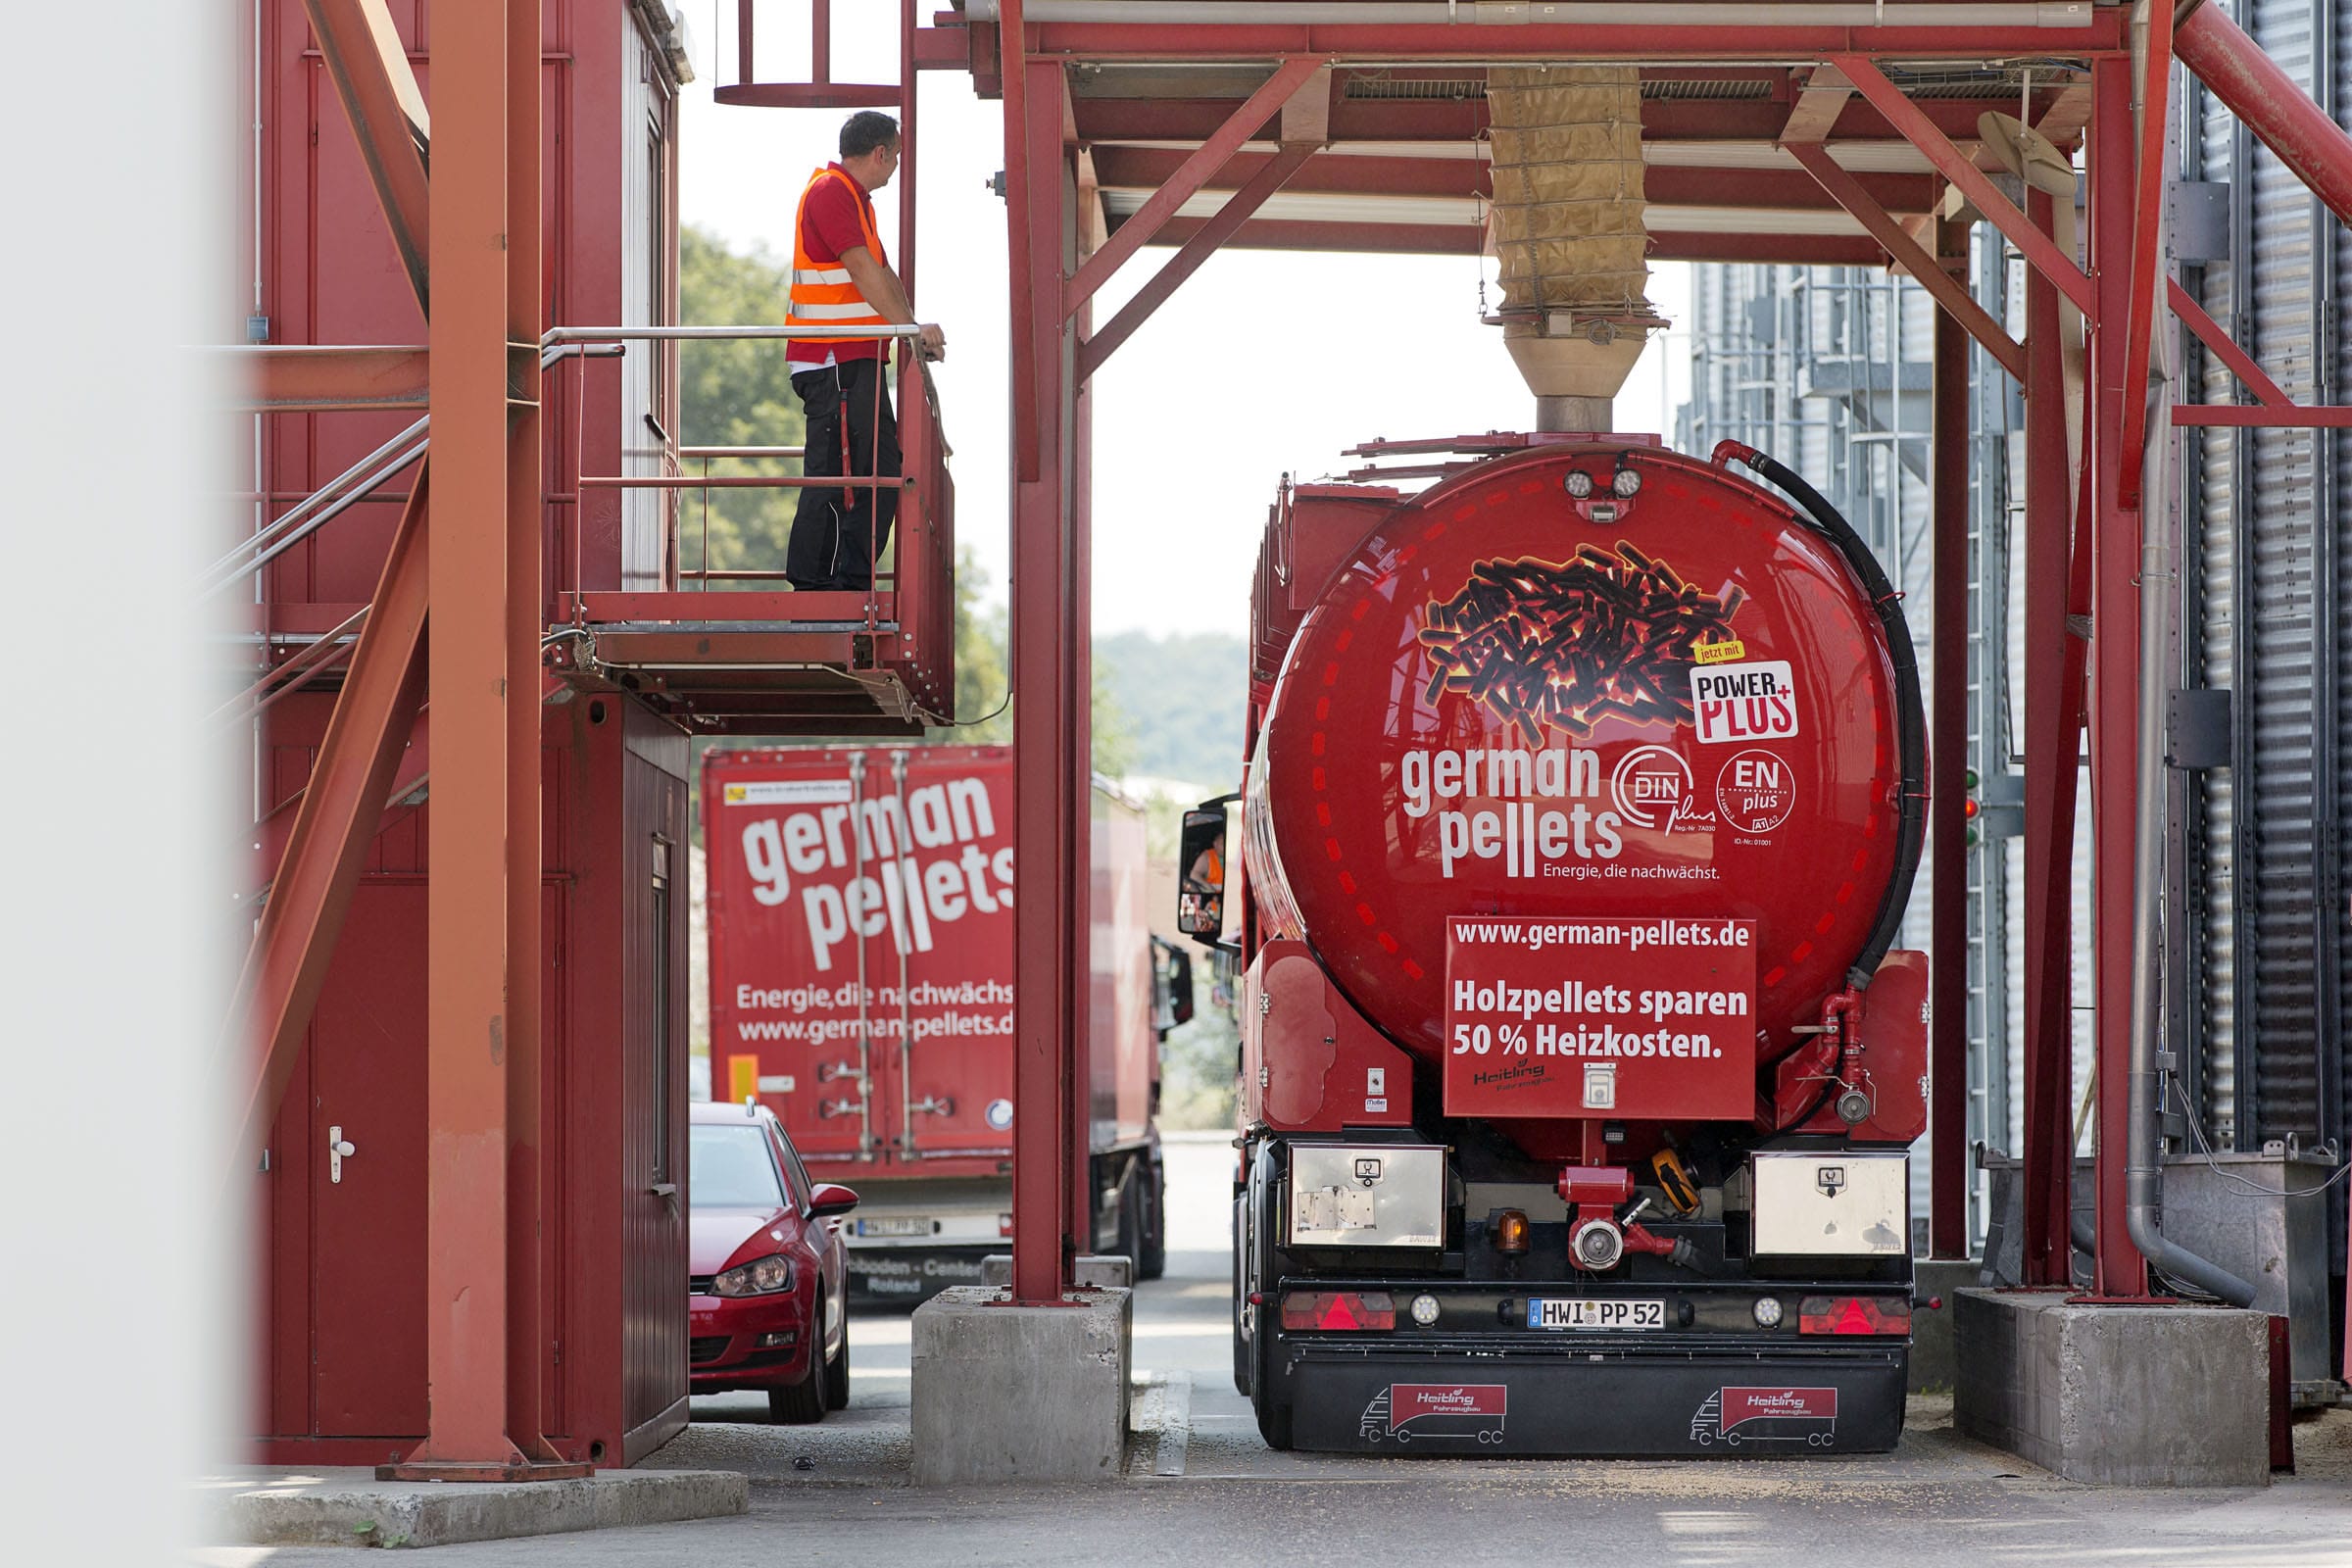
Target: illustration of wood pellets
[(1603, 634)]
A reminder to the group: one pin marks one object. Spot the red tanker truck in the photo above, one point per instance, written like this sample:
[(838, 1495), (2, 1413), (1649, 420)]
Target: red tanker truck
[(1584, 792), (861, 988)]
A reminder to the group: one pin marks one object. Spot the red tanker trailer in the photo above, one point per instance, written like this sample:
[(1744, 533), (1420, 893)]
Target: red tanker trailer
[(1584, 798)]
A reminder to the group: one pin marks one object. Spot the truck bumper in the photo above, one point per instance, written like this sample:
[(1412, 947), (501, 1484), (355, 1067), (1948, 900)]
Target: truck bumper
[(1687, 1399)]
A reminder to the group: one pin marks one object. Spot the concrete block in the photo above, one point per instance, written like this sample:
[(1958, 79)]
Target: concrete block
[(1095, 1271), (1932, 1364), (1029, 1393), (348, 1507), (2116, 1396)]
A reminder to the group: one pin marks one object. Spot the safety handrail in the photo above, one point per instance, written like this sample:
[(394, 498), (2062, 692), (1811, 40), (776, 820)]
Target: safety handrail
[(316, 510)]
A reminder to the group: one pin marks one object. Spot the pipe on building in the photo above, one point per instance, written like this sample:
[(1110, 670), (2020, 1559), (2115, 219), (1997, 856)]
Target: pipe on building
[(2159, 577), (2268, 101), (1539, 13)]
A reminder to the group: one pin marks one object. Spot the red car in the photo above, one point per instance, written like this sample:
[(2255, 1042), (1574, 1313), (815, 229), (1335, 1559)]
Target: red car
[(770, 1305)]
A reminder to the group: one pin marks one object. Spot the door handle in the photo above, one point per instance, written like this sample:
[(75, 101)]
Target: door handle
[(664, 1190), (338, 1150)]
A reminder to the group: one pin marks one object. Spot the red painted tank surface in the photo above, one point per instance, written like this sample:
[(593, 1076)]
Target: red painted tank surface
[(1514, 701)]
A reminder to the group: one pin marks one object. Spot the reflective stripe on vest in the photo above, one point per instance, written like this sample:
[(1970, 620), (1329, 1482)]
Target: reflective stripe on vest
[(824, 296)]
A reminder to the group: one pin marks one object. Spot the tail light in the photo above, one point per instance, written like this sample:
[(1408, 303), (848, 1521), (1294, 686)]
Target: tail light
[(1338, 1310), (1853, 1314), (1511, 1233)]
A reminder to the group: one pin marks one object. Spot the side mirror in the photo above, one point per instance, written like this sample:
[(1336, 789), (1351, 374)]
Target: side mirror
[(830, 1198), (1200, 872)]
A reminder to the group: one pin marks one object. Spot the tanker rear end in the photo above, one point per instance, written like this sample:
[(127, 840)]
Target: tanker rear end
[(1585, 795)]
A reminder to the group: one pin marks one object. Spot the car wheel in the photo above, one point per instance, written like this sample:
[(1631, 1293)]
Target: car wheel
[(837, 1376), (1152, 1254), (799, 1404)]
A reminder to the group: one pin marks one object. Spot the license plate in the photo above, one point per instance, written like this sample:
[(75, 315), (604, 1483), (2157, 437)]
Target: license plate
[(895, 1226), (1610, 1314)]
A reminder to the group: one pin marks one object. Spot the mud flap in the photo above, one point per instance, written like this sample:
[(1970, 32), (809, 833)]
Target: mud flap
[(1561, 1403)]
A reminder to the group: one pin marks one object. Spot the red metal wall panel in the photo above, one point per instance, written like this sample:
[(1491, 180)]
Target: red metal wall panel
[(342, 1355), (331, 276)]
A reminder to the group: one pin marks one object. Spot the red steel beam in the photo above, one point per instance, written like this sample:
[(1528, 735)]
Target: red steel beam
[(467, 1301), (1102, 120), (1906, 118), (2053, 730), (1947, 752), (1463, 239), (2210, 333), (1189, 257), (2147, 251), (1019, 193), (2115, 679), (1049, 722), (2269, 102), (306, 379), (1959, 306), (525, 624), (369, 68), (1333, 173), (315, 877), (1187, 177), (1376, 43)]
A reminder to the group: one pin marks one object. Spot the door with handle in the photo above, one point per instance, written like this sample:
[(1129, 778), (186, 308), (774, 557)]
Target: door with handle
[(366, 1171)]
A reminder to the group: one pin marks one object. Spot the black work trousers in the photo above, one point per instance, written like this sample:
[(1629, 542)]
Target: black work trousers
[(836, 534)]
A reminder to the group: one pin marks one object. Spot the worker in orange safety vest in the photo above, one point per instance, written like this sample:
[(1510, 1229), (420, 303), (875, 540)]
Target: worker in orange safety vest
[(841, 278)]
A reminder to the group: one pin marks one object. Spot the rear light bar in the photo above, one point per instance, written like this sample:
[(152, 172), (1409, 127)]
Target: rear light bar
[(1338, 1310), (1853, 1314)]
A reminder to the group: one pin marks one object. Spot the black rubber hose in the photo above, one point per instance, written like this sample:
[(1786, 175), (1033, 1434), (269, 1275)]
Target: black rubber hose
[(1911, 726)]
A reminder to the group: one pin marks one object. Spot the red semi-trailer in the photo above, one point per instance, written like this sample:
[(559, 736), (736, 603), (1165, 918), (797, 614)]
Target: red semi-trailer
[(1584, 792), (860, 920)]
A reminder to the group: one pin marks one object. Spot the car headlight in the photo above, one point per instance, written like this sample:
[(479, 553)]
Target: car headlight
[(762, 1276)]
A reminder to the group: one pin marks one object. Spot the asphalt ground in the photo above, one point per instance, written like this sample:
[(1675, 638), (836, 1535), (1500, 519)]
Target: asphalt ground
[(1202, 1489)]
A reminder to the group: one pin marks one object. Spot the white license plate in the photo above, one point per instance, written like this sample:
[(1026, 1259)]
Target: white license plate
[(895, 1226), (1555, 1313)]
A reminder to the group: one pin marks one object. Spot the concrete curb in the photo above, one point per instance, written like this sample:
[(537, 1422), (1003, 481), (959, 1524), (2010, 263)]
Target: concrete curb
[(350, 1508)]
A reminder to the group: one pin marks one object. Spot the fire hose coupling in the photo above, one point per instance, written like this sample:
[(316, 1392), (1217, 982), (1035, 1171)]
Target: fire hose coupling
[(1843, 1014), (1598, 1238), (1728, 452)]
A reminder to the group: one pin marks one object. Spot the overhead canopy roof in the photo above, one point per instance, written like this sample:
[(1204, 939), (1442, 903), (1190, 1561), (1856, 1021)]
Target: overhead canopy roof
[(1406, 166)]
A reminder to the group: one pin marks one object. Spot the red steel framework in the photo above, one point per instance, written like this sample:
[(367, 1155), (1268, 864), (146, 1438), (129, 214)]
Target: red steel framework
[(1259, 142), (1255, 114)]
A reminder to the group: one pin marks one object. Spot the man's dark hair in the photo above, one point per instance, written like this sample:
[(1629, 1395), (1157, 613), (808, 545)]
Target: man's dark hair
[(865, 130)]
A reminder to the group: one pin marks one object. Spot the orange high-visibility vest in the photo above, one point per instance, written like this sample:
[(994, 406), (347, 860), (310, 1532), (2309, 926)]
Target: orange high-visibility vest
[(823, 295)]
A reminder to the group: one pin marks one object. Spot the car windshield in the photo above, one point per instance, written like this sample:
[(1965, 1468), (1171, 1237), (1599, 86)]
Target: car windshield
[(732, 1168)]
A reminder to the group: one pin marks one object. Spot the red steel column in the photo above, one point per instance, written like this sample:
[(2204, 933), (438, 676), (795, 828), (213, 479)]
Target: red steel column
[(1049, 717), (1947, 826), (466, 1046), (2052, 740), (2115, 654), (2270, 102), (526, 622)]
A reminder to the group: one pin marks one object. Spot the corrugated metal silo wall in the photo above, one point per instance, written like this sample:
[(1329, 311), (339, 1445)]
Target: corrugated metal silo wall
[(1806, 363), (2267, 528)]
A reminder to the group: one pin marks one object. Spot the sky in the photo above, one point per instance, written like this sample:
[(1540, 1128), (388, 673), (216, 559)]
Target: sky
[(1264, 363)]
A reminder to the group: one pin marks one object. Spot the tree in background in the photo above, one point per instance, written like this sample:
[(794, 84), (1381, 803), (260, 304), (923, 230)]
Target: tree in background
[(736, 394)]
